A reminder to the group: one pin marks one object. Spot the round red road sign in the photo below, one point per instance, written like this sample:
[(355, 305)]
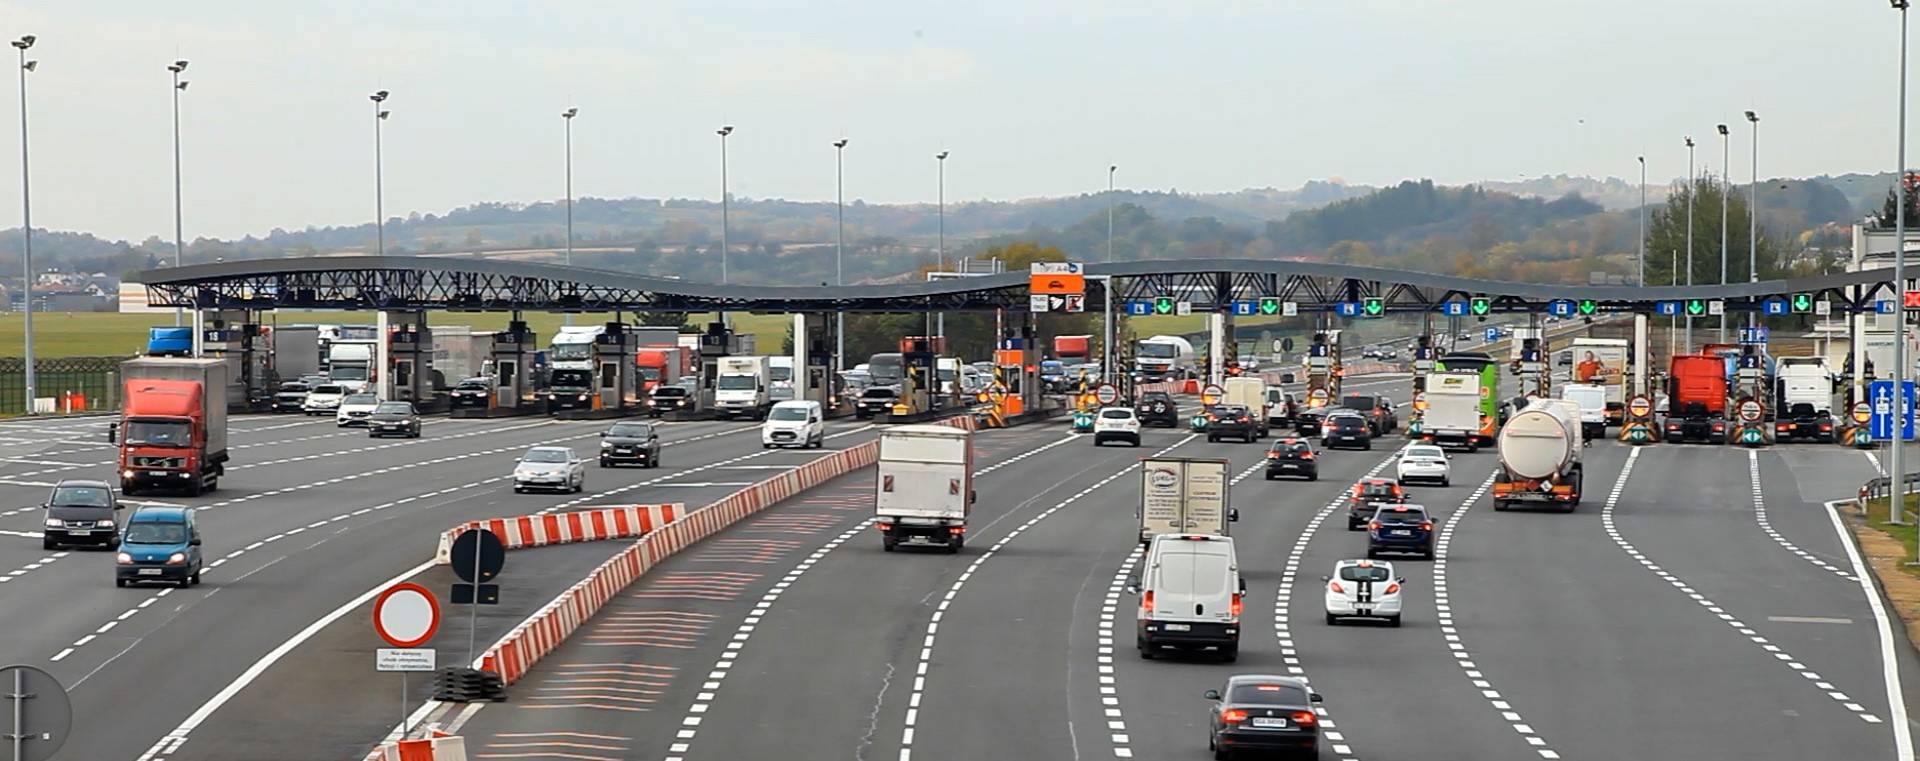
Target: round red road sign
[(406, 615), (1750, 411), (1640, 406), (1106, 393), (1862, 413)]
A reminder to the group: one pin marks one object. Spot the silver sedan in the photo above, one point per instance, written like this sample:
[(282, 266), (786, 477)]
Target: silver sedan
[(550, 468)]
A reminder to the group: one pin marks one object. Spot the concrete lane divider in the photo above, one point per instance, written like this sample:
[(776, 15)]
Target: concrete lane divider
[(426, 749), (587, 524)]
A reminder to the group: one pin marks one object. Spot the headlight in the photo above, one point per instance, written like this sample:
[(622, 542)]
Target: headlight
[(177, 558), (123, 559), (583, 397), (606, 445), (128, 473), (54, 523), (104, 523)]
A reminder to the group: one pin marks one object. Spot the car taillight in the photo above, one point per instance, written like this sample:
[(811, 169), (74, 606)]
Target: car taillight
[(883, 526), (1719, 426), (1373, 525), (1213, 417), (1146, 602), (1237, 606), (1426, 525), (1305, 718), (1233, 716), (1306, 455), (1393, 589), (1783, 426), (1337, 589), (1826, 426)]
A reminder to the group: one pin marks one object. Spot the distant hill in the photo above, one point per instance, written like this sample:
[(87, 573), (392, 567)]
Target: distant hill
[(1413, 211)]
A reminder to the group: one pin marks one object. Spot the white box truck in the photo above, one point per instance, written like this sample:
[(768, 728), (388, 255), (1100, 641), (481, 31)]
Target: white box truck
[(1252, 394), (1804, 394), (1452, 417), (923, 490), (1181, 495), (742, 387), (1603, 362)]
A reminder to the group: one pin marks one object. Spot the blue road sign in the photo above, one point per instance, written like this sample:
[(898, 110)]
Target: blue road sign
[(1666, 308), (1880, 394), (1493, 334), (1560, 308), (1754, 335), (1454, 308), (1246, 308), (1347, 309), (1775, 307), (1884, 306), (1139, 308)]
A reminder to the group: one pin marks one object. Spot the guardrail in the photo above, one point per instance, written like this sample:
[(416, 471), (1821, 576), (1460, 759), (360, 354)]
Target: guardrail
[(1882, 487)]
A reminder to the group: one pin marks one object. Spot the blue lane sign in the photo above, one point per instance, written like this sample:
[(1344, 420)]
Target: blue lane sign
[(1775, 307), (1560, 308), (1754, 335), (1666, 308), (1139, 308), (1880, 395), (1493, 334), (1883, 306), (1347, 309), (1454, 308), (1246, 308)]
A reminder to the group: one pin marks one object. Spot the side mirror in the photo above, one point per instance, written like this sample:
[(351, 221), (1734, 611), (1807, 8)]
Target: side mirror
[(1233, 515), (1326, 578), (1243, 586), (1211, 694), (1401, 580), (1133, 585), (1313, 697), (113, 433), (603, 434), (118, 505), (194, 541)]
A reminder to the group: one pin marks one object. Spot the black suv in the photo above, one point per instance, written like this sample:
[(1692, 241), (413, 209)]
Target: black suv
[(81, 512), (630, 442), (1157, 408), (1224, 420), (1307, 421), (290, 397), (1348, 430), (1377, 409), (665, 399), (472, 392), (1292, 457), (878, 400)]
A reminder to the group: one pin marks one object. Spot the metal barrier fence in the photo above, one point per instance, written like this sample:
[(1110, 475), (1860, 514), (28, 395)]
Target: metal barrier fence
[(93, 382)]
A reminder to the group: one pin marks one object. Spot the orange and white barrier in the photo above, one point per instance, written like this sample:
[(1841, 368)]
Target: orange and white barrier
[(440, 748), (544, 631), (588, 524)]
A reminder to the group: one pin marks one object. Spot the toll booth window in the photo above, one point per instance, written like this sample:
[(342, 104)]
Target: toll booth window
[(403, 374), (609, 374), (507, 371)]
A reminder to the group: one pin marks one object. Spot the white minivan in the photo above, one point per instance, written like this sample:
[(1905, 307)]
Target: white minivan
[(1190, 596), (798, 423)]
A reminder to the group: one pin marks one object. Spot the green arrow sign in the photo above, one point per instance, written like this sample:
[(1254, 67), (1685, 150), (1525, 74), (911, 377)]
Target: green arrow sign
[(1269, 305), (1696, 307), (1589, 306), (1803, 302), (1480, 306), (1374, 307), (1163, 305)]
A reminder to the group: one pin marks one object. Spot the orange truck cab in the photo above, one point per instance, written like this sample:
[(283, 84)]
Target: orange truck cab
[(1697, 399), (173, 424)]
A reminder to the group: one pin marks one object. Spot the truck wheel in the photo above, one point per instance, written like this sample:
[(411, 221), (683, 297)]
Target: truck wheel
[(1333, 620), (887, 543), (48, 544), (127, 488), (1394, 622), (1230, 653), (1499, 506), (953, 547), (1146, 649)]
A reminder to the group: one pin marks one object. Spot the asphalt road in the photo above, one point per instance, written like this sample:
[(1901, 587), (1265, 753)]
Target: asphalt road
[(1699, 605)]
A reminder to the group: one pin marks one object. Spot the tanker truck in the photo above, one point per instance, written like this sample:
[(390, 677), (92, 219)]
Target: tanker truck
[(1540, 456)]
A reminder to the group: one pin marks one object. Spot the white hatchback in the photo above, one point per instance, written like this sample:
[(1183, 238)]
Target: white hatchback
[(1363, 589), (1424, 462), (1117, 424)]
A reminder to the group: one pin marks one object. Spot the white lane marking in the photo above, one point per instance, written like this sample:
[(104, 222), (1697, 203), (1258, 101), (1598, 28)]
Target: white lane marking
[(1889, 662), (33, 566), (933, 624), (1719, 611), (1103, 655), (174, 739), (1461, 658), (1760, 515), (1808, 620)]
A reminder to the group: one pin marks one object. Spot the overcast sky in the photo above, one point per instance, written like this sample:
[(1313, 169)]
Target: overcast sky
[(1032, 97)]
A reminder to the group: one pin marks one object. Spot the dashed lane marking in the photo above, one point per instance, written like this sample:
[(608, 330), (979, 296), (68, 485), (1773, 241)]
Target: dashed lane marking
[(1889, 662), (1110, 692), (1759, 640), (31, 567), (1760, 515), (1444, 612)]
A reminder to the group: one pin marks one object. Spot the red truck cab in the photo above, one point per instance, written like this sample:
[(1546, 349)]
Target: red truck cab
[(163, 438), (1697, 399)]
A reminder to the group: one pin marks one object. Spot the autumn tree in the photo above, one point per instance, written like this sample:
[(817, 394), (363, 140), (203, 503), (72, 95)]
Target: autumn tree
[(1667, 238)]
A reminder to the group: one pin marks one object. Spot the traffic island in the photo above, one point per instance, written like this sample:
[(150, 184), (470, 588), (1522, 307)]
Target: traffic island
[(1886, 547)]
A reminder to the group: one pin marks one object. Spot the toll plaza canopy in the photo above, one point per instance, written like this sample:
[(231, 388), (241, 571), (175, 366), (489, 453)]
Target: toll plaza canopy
[(475, 284)]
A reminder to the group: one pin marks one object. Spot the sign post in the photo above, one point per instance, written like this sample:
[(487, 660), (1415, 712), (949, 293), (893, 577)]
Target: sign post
[(478, 556), (1882, 420), (406, 615)]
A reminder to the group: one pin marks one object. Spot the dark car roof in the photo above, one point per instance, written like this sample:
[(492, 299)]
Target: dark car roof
[(93, 482)]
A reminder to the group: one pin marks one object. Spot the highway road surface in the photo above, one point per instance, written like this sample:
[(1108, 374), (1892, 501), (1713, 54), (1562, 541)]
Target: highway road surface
[(1700, 604)]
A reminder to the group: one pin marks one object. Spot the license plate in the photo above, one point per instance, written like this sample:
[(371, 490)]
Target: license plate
[(1403, 532), (1269, 722), (80, 532), (150, 571), (1177, 627)]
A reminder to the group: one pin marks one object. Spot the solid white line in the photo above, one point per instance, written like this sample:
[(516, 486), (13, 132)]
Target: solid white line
[(179, 734), (1889, 663)]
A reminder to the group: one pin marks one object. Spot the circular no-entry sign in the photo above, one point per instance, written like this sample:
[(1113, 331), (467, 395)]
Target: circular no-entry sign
[(1640, 406), (1862, 413), (1317, 397), (406, 615), (1212, 394), (1750, 411), (1106, 393)]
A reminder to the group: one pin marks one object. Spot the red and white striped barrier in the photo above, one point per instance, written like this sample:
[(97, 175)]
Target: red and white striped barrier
[(545, 630), (588, 524), (425, 749)]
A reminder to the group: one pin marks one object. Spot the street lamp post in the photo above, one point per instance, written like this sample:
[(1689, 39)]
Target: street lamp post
[(839, 249), (179, 239), (26, 225), (1753, 211), (1106, 313), (567, 117), (1640, 251), (1897, 501), (940, 263), (1690, 193), (723, 132), (379, 200), (1725, 190)]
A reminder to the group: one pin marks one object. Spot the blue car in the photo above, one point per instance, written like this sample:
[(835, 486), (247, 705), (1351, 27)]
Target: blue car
[(159, 544), (1400, 528)]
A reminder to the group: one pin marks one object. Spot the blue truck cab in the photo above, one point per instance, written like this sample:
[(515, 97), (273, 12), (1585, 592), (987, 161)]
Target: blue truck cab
[(159, 544)]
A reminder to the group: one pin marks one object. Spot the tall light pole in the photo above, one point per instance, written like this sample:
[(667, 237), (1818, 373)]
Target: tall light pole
[(1690, 188), (1111, 168), (839, 249), (379, 198), (1106, 312), (179, 238), (1725, 191), (567, 117), (1753, 211), (940, 328), (1640, 251), (723, 132), (1900, 411), (26, 223)]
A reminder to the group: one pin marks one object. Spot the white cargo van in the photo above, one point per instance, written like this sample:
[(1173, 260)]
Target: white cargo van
[(1252, 394), (1592, 398), (794, 424), (924, 486), (1190, 596)]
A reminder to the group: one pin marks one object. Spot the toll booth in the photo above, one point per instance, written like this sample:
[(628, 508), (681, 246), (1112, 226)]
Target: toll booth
[(920, 380), (1423, 360), (1531, 368), (617, 380), (1323, 368), (512, 357), (409, 376), (232, 335), (718, 341), (822, 384), (1752, 410)]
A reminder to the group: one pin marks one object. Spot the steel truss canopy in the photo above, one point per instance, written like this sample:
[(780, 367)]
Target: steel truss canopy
[(467, 284)]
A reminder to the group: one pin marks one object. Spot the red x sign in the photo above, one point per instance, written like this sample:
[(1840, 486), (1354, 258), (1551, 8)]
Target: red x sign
[(1913, 299)]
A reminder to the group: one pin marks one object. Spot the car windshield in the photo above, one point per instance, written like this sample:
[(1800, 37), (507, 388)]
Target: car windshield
[(571, 379), (361, 399), (739, 382), (1357, 402), (1371, 573), (1296, 447), (1156, 350), (329, 389), (1400, 514), (630, 431), (348, 373), (570, 352), (1430, 453), (1117, 414), (81, 496), (294, 386), (1156, 396), (1346, 422), (780, 373), (788, 413), (664, 391), (394, 408), (159, 433), (1252, 693), (545, 455), (880, 392), (1380, 490), (472, 385), (155, 533)]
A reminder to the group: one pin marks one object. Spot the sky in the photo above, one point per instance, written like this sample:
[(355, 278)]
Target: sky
[(1032, 98)]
